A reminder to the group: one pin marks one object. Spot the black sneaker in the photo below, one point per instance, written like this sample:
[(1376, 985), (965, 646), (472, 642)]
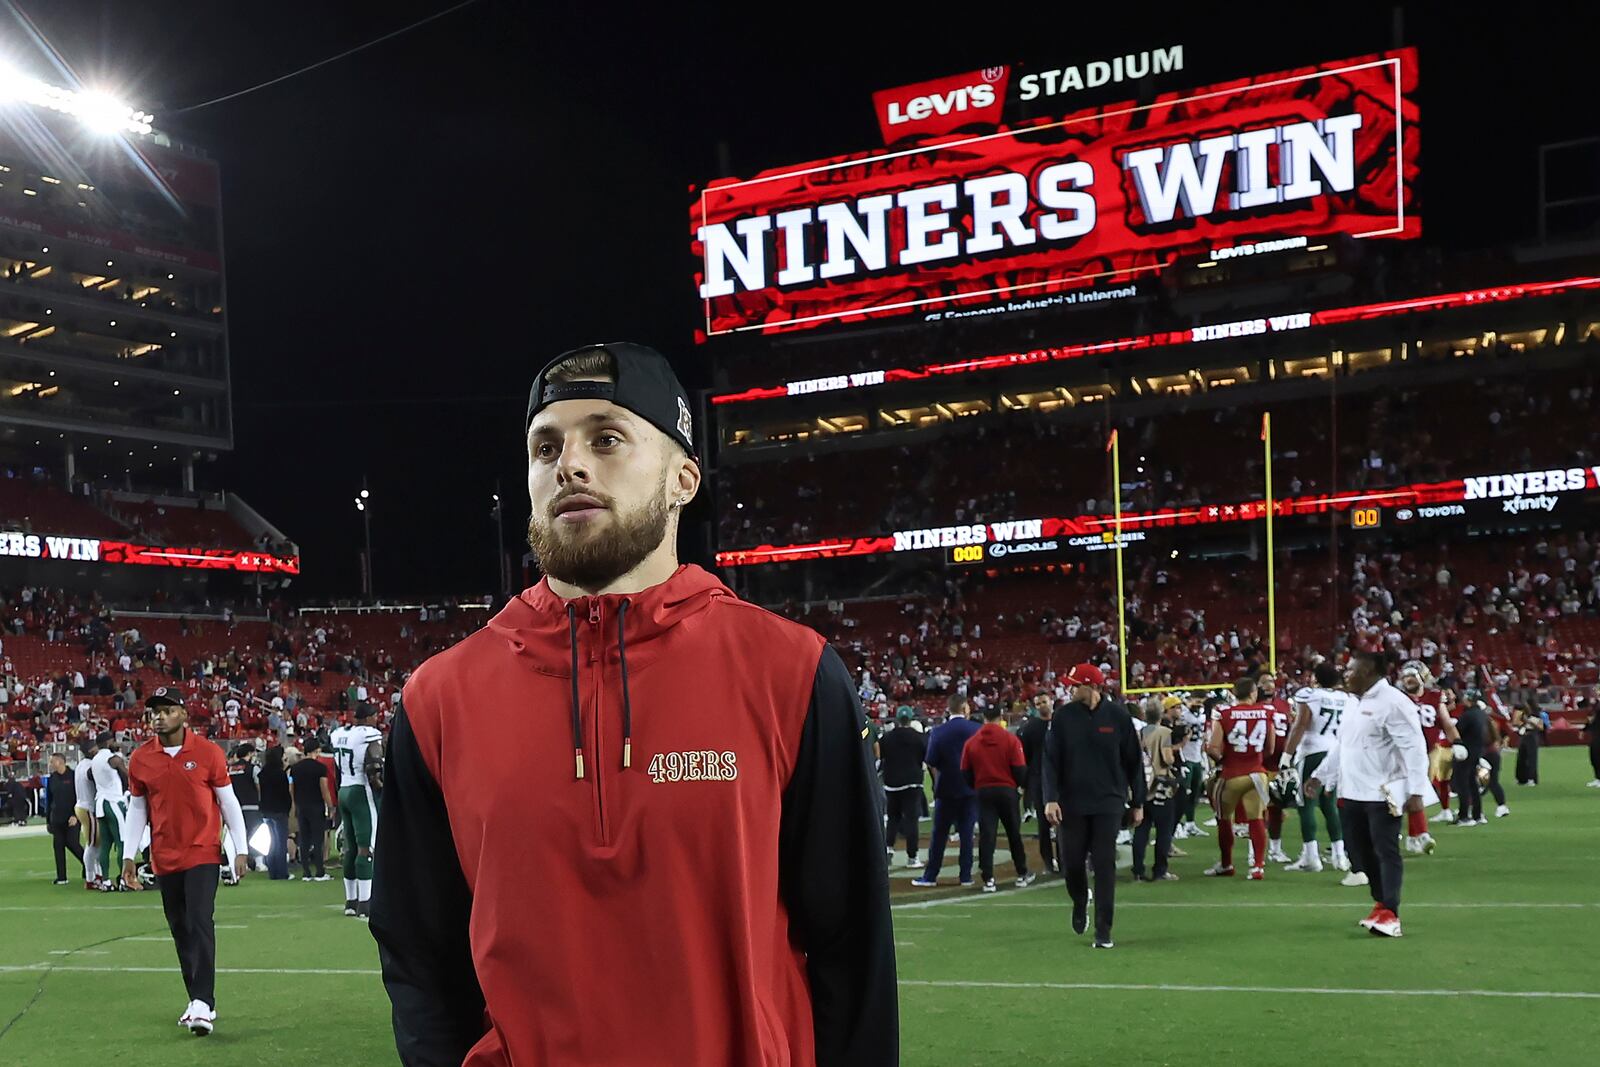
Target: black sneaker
[(1103, 942), (350, 907), (364, 910), (1080, 917)]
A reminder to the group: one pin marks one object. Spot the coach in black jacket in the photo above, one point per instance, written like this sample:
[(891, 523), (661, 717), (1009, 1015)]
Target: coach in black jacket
[(1093, 769)]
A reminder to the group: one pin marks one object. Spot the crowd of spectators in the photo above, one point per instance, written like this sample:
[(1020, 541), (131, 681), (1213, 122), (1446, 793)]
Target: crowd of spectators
[(69, 664), (1520, 615)]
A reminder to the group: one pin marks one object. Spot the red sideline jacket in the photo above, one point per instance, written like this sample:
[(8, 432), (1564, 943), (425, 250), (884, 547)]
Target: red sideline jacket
[(635, 829)]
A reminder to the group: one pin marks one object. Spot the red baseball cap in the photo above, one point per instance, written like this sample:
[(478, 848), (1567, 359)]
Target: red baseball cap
[(1087, 674)]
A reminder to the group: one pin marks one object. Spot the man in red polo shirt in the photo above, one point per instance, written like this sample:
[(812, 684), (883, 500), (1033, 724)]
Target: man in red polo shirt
[(994, 765), (178, 783)]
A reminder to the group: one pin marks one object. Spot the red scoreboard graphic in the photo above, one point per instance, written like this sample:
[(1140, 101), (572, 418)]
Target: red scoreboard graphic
[(1098, 199)]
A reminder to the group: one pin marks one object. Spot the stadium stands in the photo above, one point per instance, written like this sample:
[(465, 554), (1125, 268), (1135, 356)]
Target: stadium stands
[(1023, 464), (175, 521), (31, 503), (1519, 614)]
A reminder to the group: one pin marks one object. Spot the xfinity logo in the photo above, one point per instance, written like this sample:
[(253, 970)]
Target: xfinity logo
[(1520, 504)]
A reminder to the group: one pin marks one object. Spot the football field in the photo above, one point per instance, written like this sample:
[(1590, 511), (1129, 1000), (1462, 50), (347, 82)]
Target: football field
[(1500, 963)]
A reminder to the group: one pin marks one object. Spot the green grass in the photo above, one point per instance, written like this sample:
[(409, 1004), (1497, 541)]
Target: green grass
[(995, 979)]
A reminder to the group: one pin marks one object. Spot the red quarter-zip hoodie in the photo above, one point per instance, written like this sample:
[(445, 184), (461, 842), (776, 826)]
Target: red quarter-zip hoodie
[(635, 829)]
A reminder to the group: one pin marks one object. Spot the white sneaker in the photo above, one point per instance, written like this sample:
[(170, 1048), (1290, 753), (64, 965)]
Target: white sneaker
[(1180, 833), (1501, 812), (1309, 862), (912, 861), (1211, 822), (1445, 816), (1593, 784), (1240, 830), (1124, 837), (1276, 854), (183, 1020), (989, 886), (1195, 831), (1026, 880), (1353, 879), (201, 1020), (1341, 863)]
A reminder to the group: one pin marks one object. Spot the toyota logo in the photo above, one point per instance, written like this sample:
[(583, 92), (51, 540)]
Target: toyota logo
[(1404, 515)]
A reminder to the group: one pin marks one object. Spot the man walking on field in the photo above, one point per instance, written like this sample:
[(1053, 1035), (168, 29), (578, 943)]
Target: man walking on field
[(179, 787)]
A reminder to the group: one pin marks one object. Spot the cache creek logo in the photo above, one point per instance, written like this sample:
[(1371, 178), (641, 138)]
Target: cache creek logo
[(694, 767)]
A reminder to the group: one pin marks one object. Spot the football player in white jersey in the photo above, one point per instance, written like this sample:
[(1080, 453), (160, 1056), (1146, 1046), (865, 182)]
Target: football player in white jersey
[(83, 780), (354, 748), (1192, 718), (1314, 735), (110, 774)]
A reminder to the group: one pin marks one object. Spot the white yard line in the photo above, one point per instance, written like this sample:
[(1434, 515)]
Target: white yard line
[(154, 906), (1508, 994), (1512, 994), (1353, 903)]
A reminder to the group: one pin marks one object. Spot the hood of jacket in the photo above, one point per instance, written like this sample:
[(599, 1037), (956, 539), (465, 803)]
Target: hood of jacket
[(537, 625)]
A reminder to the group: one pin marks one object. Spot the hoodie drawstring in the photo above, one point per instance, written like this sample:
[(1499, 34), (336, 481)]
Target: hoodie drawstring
[(577, 724), (627, 704)]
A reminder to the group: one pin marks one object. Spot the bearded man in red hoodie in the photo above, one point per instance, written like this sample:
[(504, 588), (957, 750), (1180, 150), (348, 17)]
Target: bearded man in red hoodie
[(633, 820)]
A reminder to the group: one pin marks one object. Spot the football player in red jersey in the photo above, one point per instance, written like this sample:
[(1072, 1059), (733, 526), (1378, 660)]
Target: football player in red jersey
[(1242, 738), (1282, 720), (1439, 731)]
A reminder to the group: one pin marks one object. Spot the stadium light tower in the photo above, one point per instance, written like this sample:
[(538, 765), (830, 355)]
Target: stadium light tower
[(99, 111), (364, 506)]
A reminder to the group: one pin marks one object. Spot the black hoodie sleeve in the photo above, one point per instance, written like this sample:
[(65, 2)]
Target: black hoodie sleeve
[(420, 912), (1050, 773), (832, 875)]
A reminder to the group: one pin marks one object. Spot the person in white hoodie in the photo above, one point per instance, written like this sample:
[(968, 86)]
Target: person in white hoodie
[(1380, 769)]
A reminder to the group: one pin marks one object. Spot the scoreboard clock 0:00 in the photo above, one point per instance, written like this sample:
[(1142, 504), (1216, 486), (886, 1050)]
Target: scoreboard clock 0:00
[(966, 554)]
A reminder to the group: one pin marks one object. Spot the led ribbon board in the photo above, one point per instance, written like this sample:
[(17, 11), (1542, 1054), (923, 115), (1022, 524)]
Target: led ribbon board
[(1480, 496), (1101, 198), (95, 550)]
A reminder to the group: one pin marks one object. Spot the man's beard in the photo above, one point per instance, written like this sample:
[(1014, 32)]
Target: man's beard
[(592, 560)]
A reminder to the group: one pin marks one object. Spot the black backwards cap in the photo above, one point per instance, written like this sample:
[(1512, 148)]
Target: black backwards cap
[(643, 383)]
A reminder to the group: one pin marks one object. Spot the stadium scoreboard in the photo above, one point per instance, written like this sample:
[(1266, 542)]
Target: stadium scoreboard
[(1063, 211)]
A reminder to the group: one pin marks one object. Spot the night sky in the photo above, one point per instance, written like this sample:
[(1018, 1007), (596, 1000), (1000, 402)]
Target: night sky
[(412, 231)]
